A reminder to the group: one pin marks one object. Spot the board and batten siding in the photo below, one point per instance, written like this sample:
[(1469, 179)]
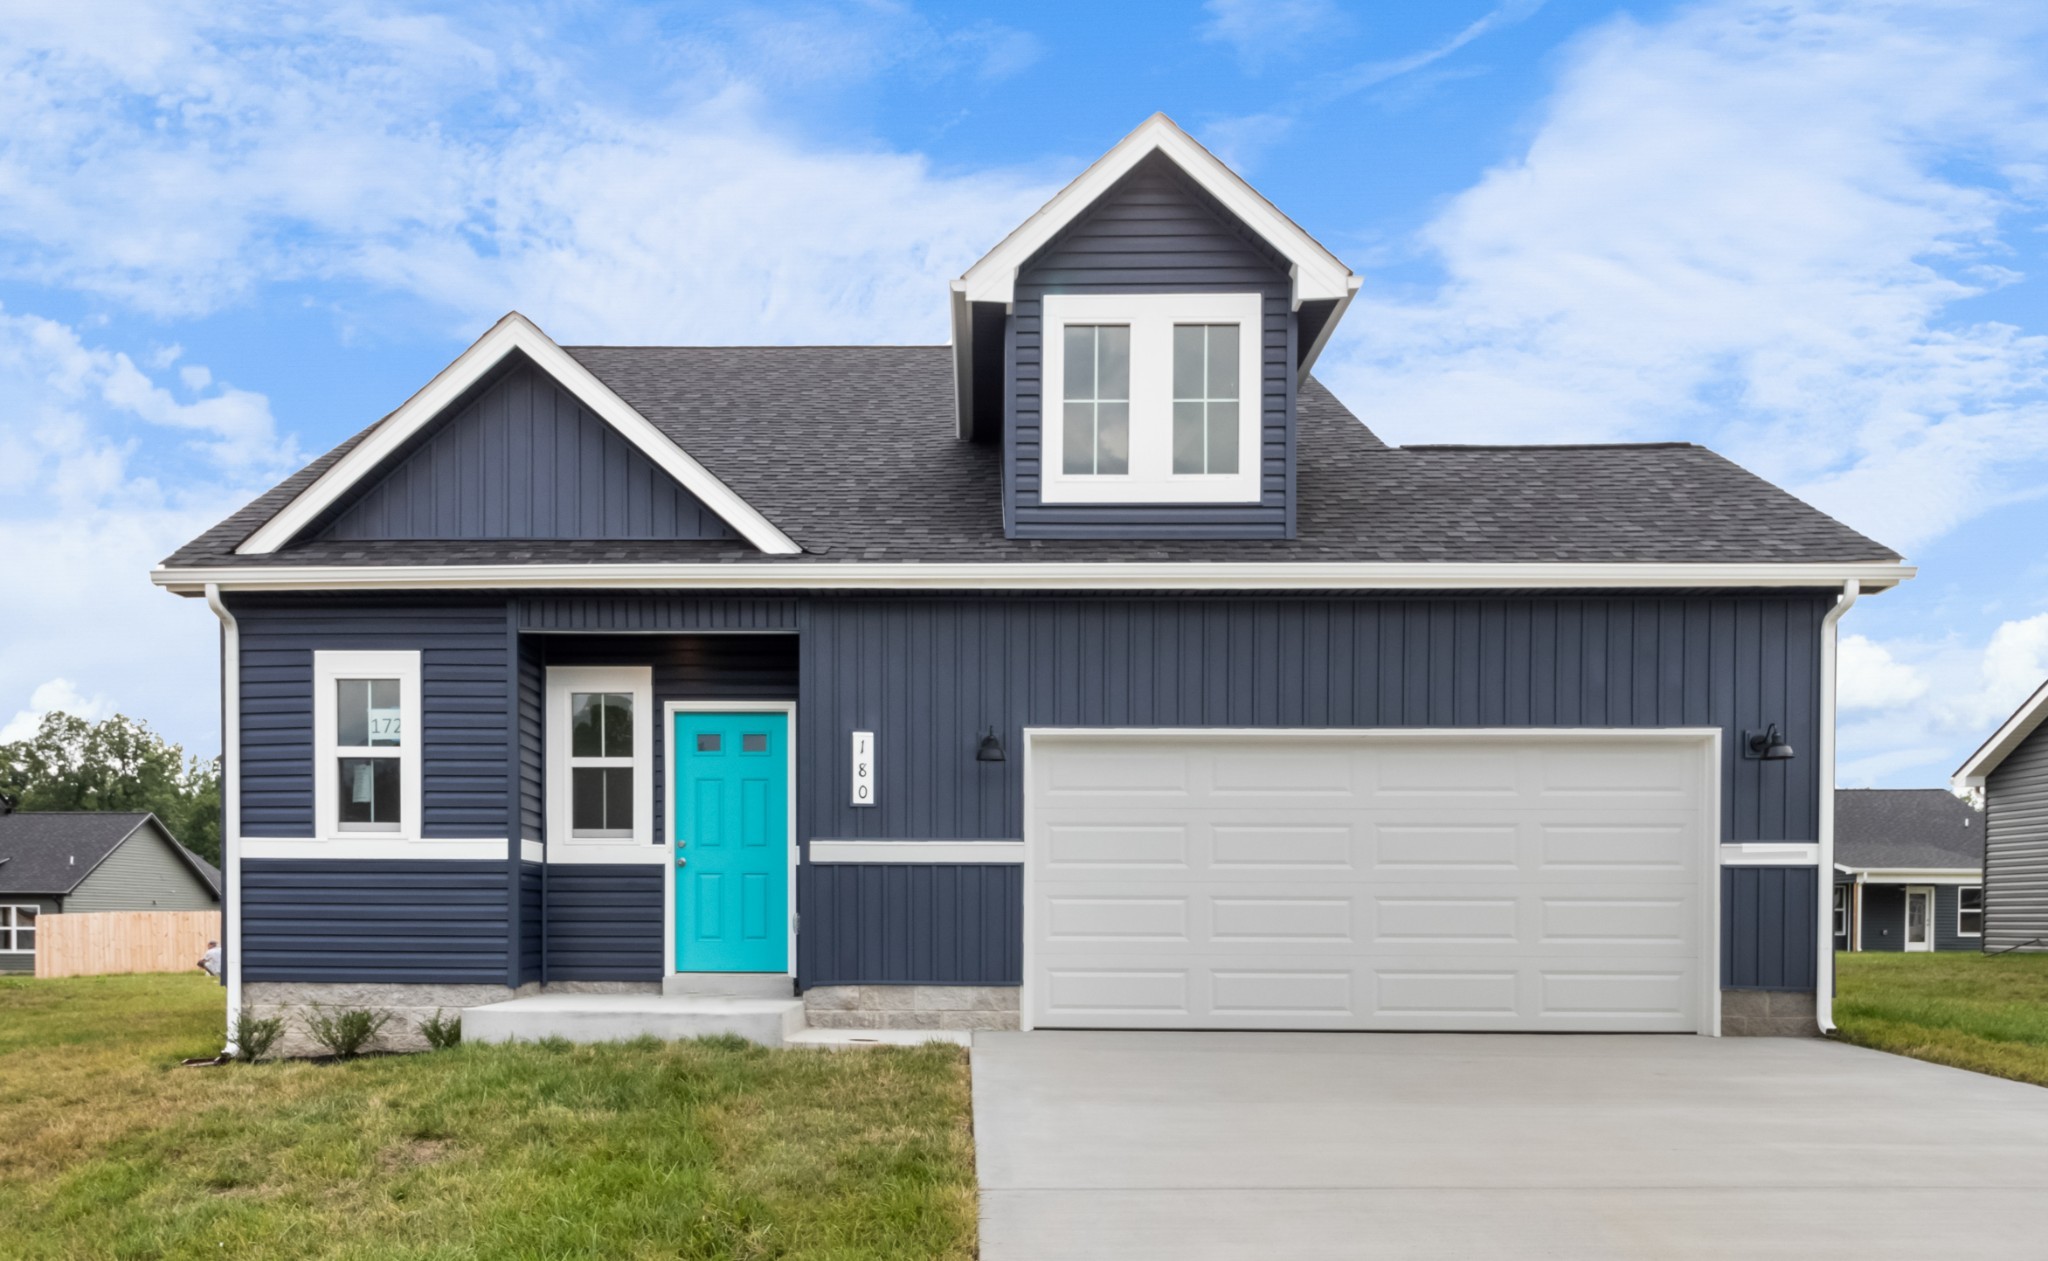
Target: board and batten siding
[(417, 921), (524, 460), (1769, 927), (911, 924), (142, 874), (463, 690), (2016, 849), (930, 676), (1153, 233)]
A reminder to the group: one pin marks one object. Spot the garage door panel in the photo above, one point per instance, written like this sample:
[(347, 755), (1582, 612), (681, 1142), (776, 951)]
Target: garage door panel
[(1433, 885)]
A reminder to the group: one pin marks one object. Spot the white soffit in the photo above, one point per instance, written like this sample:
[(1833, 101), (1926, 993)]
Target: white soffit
[(1993, 752), (1318, 274), (514, 333)]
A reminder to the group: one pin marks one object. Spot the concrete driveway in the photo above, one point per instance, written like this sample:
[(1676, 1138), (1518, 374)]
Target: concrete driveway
[(1199, 1145)]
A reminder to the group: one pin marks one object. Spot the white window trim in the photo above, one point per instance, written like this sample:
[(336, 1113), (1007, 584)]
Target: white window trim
[(329, 667), (1960, 932), (1151, 317), (13, 924), (562, 847), (1840, 921)]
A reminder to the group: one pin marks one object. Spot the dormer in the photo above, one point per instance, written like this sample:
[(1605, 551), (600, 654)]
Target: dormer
[(1136, 347)]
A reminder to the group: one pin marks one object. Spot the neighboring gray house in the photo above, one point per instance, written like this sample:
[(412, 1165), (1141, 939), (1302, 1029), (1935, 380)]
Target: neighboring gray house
[(2010, 775), (1096, 670), (75, 861), (1909, 870)]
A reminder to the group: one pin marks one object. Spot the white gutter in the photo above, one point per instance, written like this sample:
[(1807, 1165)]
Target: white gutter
[(231, 806), (1024, 576), (1824, 974)]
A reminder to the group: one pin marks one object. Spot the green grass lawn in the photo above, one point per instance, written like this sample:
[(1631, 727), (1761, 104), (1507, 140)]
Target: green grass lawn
[(1987, 1013), (692, 1149)]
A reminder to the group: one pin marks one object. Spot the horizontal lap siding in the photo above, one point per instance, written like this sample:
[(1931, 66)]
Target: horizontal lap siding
[(463, 680), (422, 922), (2016, 849), (604, 922), (911, 924), (1155, 233), (525, 460), (1947, 899), (1769, 927)]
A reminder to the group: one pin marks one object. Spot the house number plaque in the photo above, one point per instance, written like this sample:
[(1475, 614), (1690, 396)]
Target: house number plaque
[(863, 768)]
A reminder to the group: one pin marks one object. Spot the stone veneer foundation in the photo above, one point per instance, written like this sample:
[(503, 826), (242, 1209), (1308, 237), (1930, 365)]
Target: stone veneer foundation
[(408, 1004), (911, 1007), (1768, 1014)]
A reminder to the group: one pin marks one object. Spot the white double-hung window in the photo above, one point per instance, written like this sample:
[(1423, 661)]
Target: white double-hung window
[(18, 929), (600, 750), (1150, 398), (366, 777)]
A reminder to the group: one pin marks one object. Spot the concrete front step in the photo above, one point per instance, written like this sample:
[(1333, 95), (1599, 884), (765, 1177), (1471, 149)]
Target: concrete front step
[(730, 984), (621, 1017)]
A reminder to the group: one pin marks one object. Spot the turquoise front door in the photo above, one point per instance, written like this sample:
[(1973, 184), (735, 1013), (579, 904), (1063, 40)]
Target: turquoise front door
[(731, 842)]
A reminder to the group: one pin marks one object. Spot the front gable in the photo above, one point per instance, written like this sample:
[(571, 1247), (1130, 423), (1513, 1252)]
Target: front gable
[(522, 458), (434, 492)]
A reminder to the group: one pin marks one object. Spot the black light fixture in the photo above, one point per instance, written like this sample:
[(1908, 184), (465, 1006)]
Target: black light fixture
[(991, 749), (1768, 744)]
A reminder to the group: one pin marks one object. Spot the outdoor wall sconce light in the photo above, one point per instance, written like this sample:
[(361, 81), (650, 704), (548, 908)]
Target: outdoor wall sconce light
[(1766, 745), (991, 749)]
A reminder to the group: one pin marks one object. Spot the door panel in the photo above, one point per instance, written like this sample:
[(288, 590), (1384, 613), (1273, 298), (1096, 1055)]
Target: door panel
[(1323, 881), (732, 842)]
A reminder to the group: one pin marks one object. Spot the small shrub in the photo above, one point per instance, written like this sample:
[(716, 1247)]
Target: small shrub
[(345, 1033), (442, 1032), (254, 1035)]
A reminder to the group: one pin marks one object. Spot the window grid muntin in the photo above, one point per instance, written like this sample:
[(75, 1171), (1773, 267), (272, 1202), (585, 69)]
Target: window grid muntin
[(1093, 400), (18, 929), (377, 762), (1962, 911), (1200, 399), (609, 772)]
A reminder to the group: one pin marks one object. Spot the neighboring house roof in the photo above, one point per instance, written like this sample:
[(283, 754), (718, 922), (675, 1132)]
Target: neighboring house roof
[(51, 852), (851, 452), (2009, 736), (1905, 829)]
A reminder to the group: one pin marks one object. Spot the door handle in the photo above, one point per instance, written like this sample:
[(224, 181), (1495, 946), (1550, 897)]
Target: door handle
[(681, 861)]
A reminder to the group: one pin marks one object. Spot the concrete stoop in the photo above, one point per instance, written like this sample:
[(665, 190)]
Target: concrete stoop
[(622, 1017)]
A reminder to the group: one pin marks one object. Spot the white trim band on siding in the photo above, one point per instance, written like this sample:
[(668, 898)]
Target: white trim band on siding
[(1916, 875), (514, 334), (1009, 853), (385, 849), (1771, 854), (1078, 576)]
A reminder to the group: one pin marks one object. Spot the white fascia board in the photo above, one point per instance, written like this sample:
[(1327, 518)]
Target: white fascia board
[(2024, 721), (1318, 274), (913, 576), (514, 333), (1917, 875)]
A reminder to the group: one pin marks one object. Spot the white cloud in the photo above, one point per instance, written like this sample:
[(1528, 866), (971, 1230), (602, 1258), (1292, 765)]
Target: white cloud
[(1739, 227), (1868, 677), (102, 474), (214, 149), (57, 694), (1259, 30)]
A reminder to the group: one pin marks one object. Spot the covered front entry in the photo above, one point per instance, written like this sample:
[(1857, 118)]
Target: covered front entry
[(729, 827), (1501, 880)]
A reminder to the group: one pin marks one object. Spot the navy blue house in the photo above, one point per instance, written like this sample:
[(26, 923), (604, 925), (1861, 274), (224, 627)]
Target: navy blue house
[(1098, 669)]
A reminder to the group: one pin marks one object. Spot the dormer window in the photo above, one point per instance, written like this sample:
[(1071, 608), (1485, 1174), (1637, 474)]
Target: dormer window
[(1157, 400)]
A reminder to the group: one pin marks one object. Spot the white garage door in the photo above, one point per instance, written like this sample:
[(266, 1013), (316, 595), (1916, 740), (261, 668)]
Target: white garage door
[(1301, 880)]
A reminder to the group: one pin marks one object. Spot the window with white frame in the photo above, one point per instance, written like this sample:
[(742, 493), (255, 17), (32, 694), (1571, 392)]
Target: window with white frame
[(1970, 911), (600, 742), (366, 731), (1150, 398), (1841, 911), (18, 929)]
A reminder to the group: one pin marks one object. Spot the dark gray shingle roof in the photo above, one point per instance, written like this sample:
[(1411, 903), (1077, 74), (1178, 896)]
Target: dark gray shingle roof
[(1906, 828), (49, 852), (851, 452)]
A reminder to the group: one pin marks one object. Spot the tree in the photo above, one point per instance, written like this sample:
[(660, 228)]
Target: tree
[(118, 764)]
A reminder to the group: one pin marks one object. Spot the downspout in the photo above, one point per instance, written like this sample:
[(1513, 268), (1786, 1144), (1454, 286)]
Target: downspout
[(230, 808), (1824, 974)]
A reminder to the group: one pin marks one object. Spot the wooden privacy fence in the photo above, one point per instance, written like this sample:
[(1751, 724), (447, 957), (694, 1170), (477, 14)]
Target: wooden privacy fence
[(102, 942)]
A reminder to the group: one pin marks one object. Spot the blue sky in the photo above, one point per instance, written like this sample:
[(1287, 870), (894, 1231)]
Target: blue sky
[(1812, 236)]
